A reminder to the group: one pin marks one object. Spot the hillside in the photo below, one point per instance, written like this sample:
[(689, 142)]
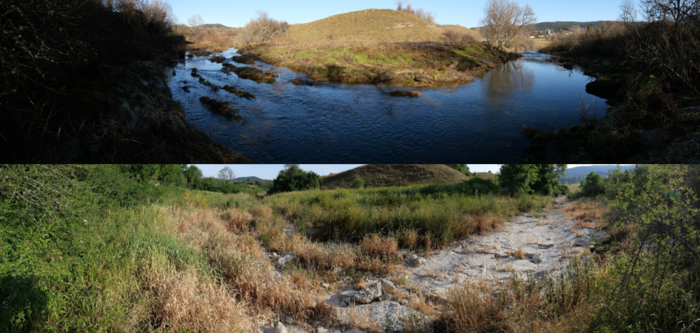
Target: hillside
[(486, 175), (371, 25), (577, 174), (566, 25), (395, 175), (251, 178)]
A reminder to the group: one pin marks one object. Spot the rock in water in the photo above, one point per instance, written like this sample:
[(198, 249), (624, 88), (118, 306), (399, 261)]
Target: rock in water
[(369, 293)]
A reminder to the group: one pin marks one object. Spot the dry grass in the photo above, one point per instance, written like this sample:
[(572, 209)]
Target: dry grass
[(375, 245), (410, 239), (519, 253), (237, 219), (408, 64), (188, 301), (483, 223), (587, 213)]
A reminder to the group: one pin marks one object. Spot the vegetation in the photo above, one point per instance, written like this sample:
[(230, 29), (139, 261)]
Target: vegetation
[(655, 103), (532, 178), (84, 81), (262, 28), (112, 247), (293, 178), (405, 64), (504, 21), (405, 6)]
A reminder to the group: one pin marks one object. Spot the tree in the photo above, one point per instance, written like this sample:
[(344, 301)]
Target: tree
[(592, 185), (293, 178), (504, 21), (226, 175), (676, 11), (516, 178), (195, 21), (546, 181), (193, 175)]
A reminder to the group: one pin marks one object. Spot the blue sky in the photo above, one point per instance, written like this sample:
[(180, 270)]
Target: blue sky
[(467, 13), (270, 171)]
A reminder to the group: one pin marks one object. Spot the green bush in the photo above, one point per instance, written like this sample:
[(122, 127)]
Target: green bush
[(358, 183), (293, 178)]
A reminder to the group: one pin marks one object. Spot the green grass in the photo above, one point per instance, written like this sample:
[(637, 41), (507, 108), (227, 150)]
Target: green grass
[(382, 175)]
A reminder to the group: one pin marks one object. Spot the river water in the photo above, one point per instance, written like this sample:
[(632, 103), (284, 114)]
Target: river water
[(477, 122)]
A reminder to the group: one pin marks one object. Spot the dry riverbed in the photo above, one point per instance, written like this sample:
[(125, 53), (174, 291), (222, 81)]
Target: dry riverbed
[(530, 245)]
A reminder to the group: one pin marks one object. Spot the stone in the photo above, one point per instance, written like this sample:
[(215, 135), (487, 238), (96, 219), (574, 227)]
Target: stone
[(416, 260), (280, 328), (388, 286), (389, 315), (347, 295), (517, 265), (369, 293), (404, 302), (296, 329), (284, 260), (322, 330), (288, 320), (546, 244), (325, 285), (344, 303), (581, 242), (355, 330)]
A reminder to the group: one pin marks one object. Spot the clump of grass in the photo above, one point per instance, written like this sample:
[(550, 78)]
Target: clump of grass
[(519, 253), (238, 92), (237, 219), (222, 108), (187, 301), (409, 239), (251, 73), (248, 59), (217, 59), (401, 93), (377, 246), (303, 82)]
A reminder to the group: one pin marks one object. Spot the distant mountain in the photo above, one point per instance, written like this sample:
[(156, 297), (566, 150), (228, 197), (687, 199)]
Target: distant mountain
[(251, 178), (566, 25), (577, 174), (563, 25), (215, 25)]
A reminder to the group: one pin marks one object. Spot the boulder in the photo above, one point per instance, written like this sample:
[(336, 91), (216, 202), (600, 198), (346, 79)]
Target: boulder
[(369, 293), (284, 260), (416, 260), (388, 287)]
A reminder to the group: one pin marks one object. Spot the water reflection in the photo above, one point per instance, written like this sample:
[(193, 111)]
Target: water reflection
[(340, 123)]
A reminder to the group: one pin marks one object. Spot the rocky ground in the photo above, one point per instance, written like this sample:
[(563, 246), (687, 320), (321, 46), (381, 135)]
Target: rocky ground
[(531, 245)]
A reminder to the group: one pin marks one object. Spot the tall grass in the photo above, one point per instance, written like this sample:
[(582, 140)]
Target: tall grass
[(446, 212)]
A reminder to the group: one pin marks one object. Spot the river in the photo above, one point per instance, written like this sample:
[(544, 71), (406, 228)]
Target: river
[(477, 122)]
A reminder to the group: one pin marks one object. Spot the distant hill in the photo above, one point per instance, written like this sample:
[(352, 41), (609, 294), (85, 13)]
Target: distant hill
[(566, 25), (370, 25), (563, 25), (251, 178), (216, 25), (382, 175), (486, 175), (577, 174)]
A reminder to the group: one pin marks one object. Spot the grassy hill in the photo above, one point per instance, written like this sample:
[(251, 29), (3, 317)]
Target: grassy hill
[(370, 25), (380, 175), (486, 175)]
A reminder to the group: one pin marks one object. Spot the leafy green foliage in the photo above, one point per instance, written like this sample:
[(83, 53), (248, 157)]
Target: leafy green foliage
[(293, 178), (463, 168), (358, 183), (531, 178), (659, 288)]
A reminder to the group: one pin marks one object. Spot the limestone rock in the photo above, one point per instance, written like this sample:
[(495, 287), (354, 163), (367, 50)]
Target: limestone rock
[(369, 293), (284, 260), (388, 286), (347, 295), (517, 265), (280, 328), (416, 260)]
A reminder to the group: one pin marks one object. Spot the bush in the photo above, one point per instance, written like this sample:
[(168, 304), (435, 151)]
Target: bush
[(262, 28), (453, 36), (294, 178), (358, 183)]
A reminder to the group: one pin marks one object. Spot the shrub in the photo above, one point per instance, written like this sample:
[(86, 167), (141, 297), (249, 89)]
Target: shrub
[(358, 183), (376, 246), (262, 28), (453, 36), (406, 7), (294, 178)]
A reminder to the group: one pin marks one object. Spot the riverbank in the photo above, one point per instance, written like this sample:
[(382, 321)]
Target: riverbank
[(659, 131), (408, 64)]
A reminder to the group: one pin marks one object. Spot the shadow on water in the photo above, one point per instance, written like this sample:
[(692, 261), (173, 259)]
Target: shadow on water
[(480, 121)]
